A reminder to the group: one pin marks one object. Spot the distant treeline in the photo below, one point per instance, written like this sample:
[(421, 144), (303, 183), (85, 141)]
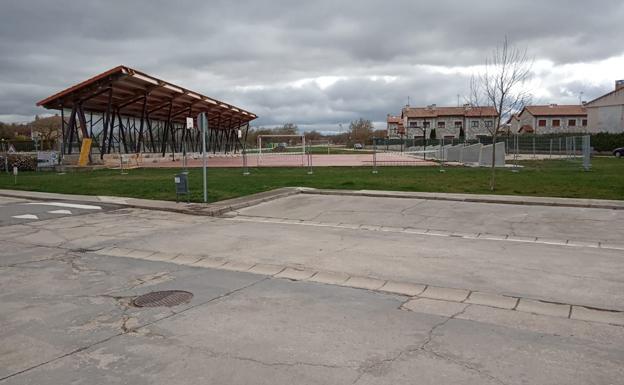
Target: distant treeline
[(359, 131)]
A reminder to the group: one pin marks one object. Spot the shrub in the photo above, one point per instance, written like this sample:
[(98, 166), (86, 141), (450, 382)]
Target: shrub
[(607, 142), (22, 162)]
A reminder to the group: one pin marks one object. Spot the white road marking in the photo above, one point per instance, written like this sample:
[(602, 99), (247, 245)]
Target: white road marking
[(25, 216), (60, 212), (71, 205)]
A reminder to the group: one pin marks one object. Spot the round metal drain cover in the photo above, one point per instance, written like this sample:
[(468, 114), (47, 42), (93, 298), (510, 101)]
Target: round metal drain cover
[(166, 298)]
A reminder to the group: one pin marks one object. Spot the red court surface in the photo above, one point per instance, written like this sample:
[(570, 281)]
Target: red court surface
[(318, 160)]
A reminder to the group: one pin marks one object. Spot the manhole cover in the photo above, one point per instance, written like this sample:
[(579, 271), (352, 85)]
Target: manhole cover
[(166, 298)]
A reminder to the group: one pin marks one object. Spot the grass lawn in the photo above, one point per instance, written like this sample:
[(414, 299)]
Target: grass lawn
[(538, 178)]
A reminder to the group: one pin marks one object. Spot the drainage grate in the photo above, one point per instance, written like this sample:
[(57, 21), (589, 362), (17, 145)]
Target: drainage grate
[(166, 298)]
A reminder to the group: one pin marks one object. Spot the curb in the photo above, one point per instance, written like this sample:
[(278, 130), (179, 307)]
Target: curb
[(211, 209), (500, 199), (414, 291), (436, 233), (222, 207)]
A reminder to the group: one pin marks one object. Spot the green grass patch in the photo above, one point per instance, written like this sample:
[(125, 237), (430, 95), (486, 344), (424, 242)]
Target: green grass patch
[(538, 178)]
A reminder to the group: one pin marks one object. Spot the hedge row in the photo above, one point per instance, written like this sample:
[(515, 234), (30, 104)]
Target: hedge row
[(29, 145), (21, 161), (607, 142), (601, 142)]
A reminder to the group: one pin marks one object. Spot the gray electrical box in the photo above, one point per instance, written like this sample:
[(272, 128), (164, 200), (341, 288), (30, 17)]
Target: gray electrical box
[(181, 186)]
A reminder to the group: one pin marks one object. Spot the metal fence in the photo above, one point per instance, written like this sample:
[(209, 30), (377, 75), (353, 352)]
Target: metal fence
[(510, 151), (574, 150)]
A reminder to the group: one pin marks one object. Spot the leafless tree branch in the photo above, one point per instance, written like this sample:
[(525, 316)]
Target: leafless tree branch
[(501, 85)]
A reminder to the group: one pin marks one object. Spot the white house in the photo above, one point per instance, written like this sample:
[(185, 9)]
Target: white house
[(550, 119), (449, 122), (606, 113)]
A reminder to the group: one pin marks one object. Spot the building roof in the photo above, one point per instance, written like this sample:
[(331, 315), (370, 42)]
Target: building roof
[(434, 112), (512, 117), (394, 119), (615, 91), (557, 110), (129, 90)]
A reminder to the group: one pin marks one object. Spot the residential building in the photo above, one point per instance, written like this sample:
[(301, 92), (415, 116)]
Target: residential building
[(395, 128), (513, 123), (606, 113), (550, 119), (449, 122)]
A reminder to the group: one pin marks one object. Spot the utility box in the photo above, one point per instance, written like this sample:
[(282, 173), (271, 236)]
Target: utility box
[(181, 186)]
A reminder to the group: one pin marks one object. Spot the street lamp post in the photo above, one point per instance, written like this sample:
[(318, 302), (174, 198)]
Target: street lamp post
[(203, 125)]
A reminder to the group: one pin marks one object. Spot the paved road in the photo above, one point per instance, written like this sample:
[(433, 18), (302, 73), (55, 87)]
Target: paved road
[(66, 314), (569, 255), (68, 320), (19, 211)]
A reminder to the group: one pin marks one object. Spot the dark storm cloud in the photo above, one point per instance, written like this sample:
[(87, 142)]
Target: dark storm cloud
[(255, 53)]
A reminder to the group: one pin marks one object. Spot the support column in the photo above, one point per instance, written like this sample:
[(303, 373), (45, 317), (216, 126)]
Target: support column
[(70, 128), (106, 123)]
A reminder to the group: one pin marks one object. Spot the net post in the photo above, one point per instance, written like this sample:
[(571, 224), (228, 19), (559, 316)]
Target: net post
[(303, 150), (310, 172), (245, 166), (374, 155), (586, 152)]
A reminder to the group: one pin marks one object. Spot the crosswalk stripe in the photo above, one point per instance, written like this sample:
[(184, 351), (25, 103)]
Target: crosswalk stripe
[(70, 205), (25, 216), (60, 212)]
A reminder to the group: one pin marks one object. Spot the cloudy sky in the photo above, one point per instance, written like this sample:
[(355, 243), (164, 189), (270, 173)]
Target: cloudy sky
[(315, 63)]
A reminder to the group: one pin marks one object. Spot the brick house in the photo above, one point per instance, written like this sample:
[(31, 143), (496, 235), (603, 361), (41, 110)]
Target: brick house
[(395, 128), (449, 122), (550, 119)]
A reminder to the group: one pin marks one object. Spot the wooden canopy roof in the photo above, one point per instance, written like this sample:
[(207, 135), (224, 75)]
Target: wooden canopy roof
[(133, 90)]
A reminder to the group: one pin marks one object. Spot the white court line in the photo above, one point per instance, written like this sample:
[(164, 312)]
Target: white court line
[(25, 216), (71, 205), (60, 212)]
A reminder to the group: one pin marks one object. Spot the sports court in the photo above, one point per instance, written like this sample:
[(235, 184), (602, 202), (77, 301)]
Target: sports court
[(299, 160)]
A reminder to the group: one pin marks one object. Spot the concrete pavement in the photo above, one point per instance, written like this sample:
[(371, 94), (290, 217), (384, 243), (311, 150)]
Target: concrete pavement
[(309, 288), (68, 319)]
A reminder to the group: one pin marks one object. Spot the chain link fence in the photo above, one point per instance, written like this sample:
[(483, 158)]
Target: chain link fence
[(510, 151), (572, 151)]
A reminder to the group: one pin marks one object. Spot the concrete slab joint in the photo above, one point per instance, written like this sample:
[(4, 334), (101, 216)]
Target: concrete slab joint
[(445, 294), (424, 298)]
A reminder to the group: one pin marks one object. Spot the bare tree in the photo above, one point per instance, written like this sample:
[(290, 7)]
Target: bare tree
[(502, 85)]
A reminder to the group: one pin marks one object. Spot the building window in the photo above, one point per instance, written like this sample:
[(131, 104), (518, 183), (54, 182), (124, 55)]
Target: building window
[(427, 124), (541, 123), (556, 122), (488, 123), (571, 122), (413, 124), (441, 124), (458, 124), (584, 122), (474, 124)]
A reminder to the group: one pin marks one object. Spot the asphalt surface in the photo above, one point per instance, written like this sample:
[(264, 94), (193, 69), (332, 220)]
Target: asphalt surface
[(18, 211), (66, 310)]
